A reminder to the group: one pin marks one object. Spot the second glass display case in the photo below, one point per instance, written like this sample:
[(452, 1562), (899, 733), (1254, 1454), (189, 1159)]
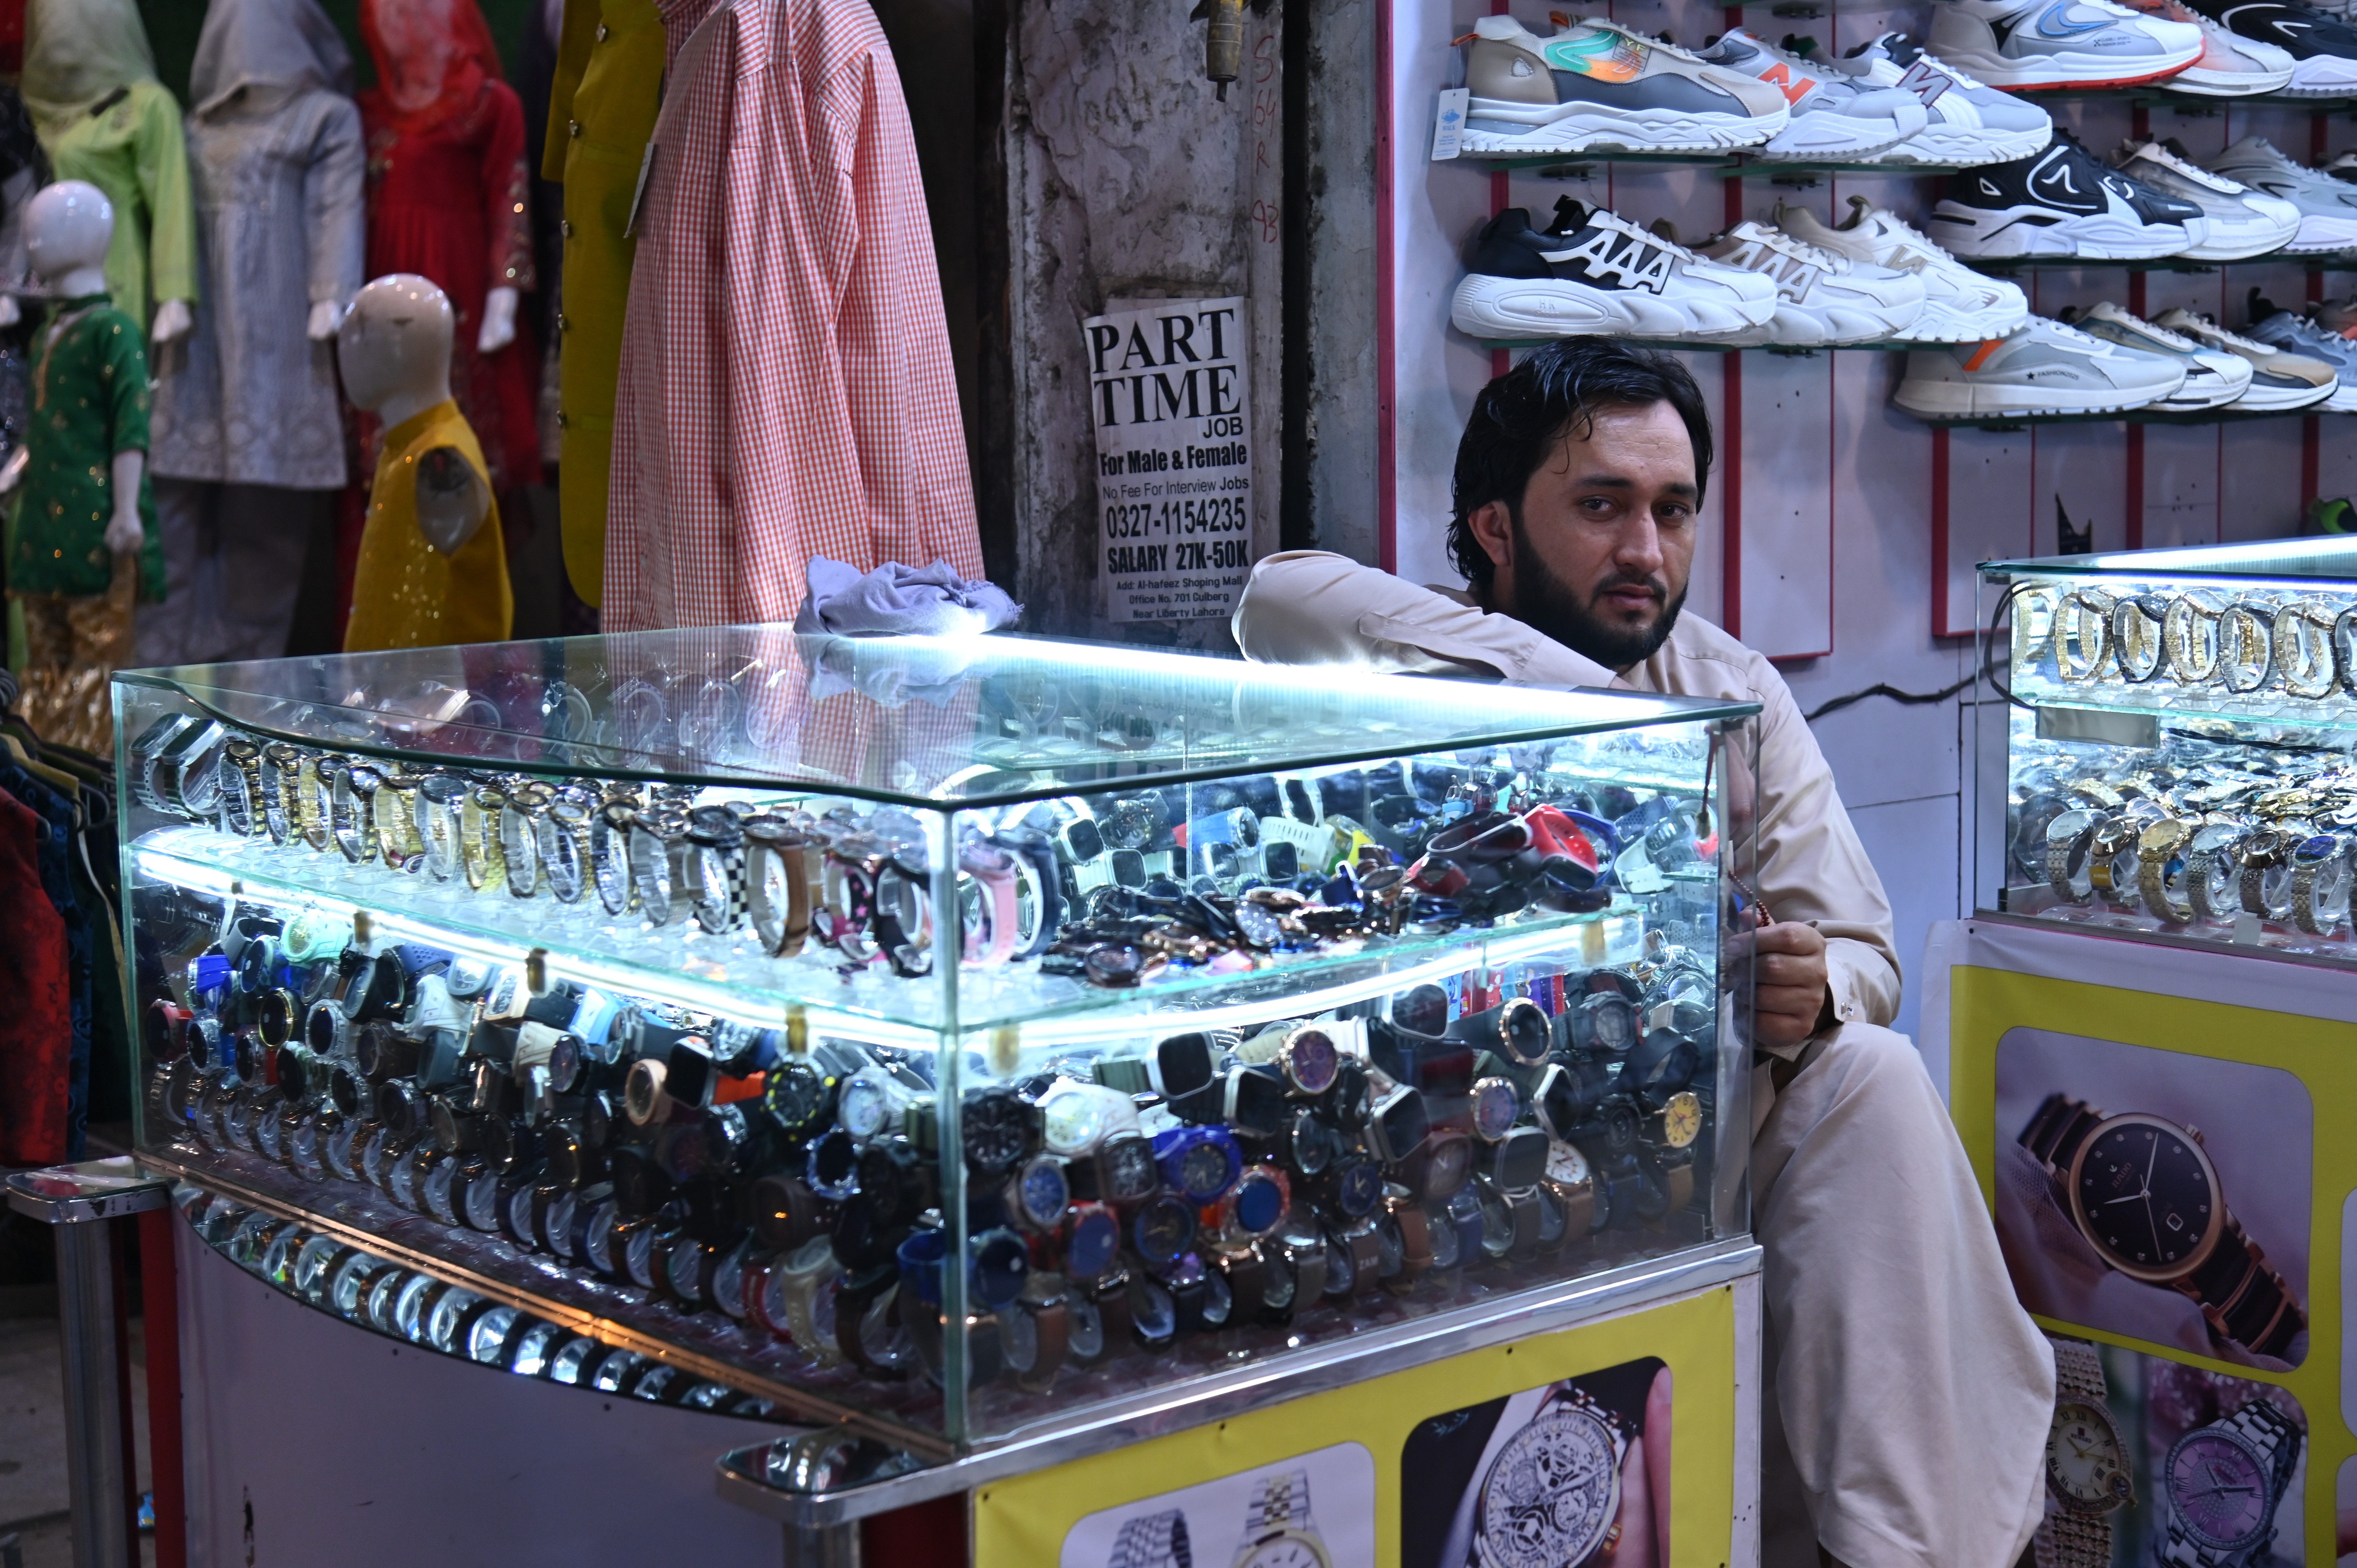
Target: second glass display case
[(954, 1038), (2178, 753)]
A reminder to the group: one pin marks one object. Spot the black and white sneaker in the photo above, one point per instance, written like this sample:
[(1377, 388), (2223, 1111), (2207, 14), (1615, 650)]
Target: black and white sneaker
[(2062, 202), (2323, 47), (1594, 272)]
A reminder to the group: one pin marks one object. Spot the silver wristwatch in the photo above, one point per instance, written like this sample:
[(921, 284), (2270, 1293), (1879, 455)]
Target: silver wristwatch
[(2223, 1482), (1153, 1541), (1278, 1531)]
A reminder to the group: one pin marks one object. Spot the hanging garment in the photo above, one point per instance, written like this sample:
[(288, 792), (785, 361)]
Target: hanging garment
[(405, 593), (608, 79), (24, 169), (448, 199), (90, 81), (786, 388), (52, 852), (37, 1027), (274, 152)]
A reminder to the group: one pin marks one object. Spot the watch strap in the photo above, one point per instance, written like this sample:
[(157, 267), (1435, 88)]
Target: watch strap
[(2242, 1298), (2079, 1372), (1153, 1541), (2057, 1130), (2073, 1541), (1279, 1502)]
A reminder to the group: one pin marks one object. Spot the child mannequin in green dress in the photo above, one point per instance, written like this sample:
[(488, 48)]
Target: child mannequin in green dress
[(84, 544)]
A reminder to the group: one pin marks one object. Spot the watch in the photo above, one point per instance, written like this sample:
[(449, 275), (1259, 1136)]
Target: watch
[(654, 842), (2223, 1482), (1153, 1541), (521, 814), (2086, 1464), (2266, 873), (2319, 884), (1552, 1493), (2182, 1236), (778, 884), (1278, 1531), (1405, 1227), (480, 854), (2162, 870), (609, 855), (2068, 837), (2112, 858), (1033, 1333), (715, 847), (2212, 873), (804, 1284)]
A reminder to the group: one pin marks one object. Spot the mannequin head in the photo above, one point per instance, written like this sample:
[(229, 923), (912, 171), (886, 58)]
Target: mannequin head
[(67, 229), (433, 56), (394, 347)]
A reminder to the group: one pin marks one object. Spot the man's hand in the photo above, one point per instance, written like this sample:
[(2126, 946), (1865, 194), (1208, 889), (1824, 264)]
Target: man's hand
[(1790, 984)]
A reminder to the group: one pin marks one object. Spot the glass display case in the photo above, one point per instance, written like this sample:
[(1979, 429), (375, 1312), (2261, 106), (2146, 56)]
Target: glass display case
[(2175, 758), (954, 1039)]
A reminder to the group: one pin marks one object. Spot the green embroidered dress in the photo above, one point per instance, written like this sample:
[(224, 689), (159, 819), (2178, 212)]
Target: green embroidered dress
[(90, 402)]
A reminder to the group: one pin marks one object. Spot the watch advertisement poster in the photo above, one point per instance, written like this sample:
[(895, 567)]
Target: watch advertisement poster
[(1170, 398), (2154, 1132), (1554, 1452), (2148, 1457)]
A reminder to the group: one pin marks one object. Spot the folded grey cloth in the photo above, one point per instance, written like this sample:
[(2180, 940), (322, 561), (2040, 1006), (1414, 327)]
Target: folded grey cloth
[(895, 600)]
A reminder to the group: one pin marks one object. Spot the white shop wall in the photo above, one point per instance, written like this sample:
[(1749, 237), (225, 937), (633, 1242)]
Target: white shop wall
[(1842, 541)]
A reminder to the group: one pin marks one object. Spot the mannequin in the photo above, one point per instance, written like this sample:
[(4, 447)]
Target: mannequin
[(90, 81), (249, 448), (84, 460), (609, 77), (433, 568), (448, 199)]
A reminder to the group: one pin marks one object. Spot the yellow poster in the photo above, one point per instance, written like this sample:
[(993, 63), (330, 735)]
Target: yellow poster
[(1611, 1443), (2170, 1172)]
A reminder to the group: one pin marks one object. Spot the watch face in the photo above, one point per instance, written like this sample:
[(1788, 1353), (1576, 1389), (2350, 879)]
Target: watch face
[(1085, 1331), (1611, 1022), (1071, 1122), (998, 1130), (1525, 1031), (1287, 1551), (1551, 1494), (2147, 1197), (1042, 1193), (1153, 1310), (2083, 1465), (1312, 1144), (1204, 1171), (1495, 1106), (1259, 1203), (1451, 1162), (1311, 1060), (2219, 1490), (1358, 1187), (1096, 1237), (1440, 1227), (1082, 839), (1565, 1164), (863, 1105), (1163, 1231), (1681, 1120), (1018, 1339), (1256, 923), (1130, 1170)]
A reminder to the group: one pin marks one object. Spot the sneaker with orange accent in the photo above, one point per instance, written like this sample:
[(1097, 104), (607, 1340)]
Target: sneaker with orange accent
[(2044, 368), (1834, 115), (1597, 86), (2018, 44), (2230, 66)]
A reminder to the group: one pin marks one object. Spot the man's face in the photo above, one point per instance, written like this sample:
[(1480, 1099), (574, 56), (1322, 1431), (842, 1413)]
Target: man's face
[(1599, 557)]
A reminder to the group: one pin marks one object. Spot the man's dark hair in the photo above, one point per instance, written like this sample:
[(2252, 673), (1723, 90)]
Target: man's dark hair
[(1522, 416)]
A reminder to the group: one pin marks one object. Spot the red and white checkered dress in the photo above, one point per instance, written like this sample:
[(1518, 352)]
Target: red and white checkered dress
[(786, 388)]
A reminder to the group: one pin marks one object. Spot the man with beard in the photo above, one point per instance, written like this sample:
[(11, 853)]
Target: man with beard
[(1908, 1394)]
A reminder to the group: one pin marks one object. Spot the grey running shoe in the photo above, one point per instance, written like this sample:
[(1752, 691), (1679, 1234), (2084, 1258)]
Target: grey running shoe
[(2213, 379), (1834, 115), (2237, 221), (1970, 122), (2328, 207), (2044, 368), (1960, 306), (2060, 43)]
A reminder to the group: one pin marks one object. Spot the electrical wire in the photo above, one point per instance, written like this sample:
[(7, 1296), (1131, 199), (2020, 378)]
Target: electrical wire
[(1988, 671)]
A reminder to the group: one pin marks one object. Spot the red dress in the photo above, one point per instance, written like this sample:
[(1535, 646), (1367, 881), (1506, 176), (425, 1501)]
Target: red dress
[(448, 200)]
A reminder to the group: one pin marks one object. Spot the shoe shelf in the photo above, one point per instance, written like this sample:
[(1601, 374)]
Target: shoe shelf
[(2005, 266), (1730, 166), (1706, 346), (2000, 423)]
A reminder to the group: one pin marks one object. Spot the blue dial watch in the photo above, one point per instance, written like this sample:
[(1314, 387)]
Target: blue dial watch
[(1200, 1164)]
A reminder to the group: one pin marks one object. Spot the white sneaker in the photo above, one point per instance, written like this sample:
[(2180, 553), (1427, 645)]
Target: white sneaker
[(1597, 85), (2237, 221), (2060, 43), (2230, 66), (2279, 381), (1960, 306), (1594, 272), (1834, 115), (1823, 298), (1970, 122), (2298, 334), (2044, 368), (2328, 207), (2212, 377)]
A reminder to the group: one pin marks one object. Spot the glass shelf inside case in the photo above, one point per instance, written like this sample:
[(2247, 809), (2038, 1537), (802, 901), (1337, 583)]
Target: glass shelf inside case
[(960, 1038), (2179, 754)]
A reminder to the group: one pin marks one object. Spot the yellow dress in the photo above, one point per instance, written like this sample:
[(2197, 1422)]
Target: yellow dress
[(406, 594), (608, 81)]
